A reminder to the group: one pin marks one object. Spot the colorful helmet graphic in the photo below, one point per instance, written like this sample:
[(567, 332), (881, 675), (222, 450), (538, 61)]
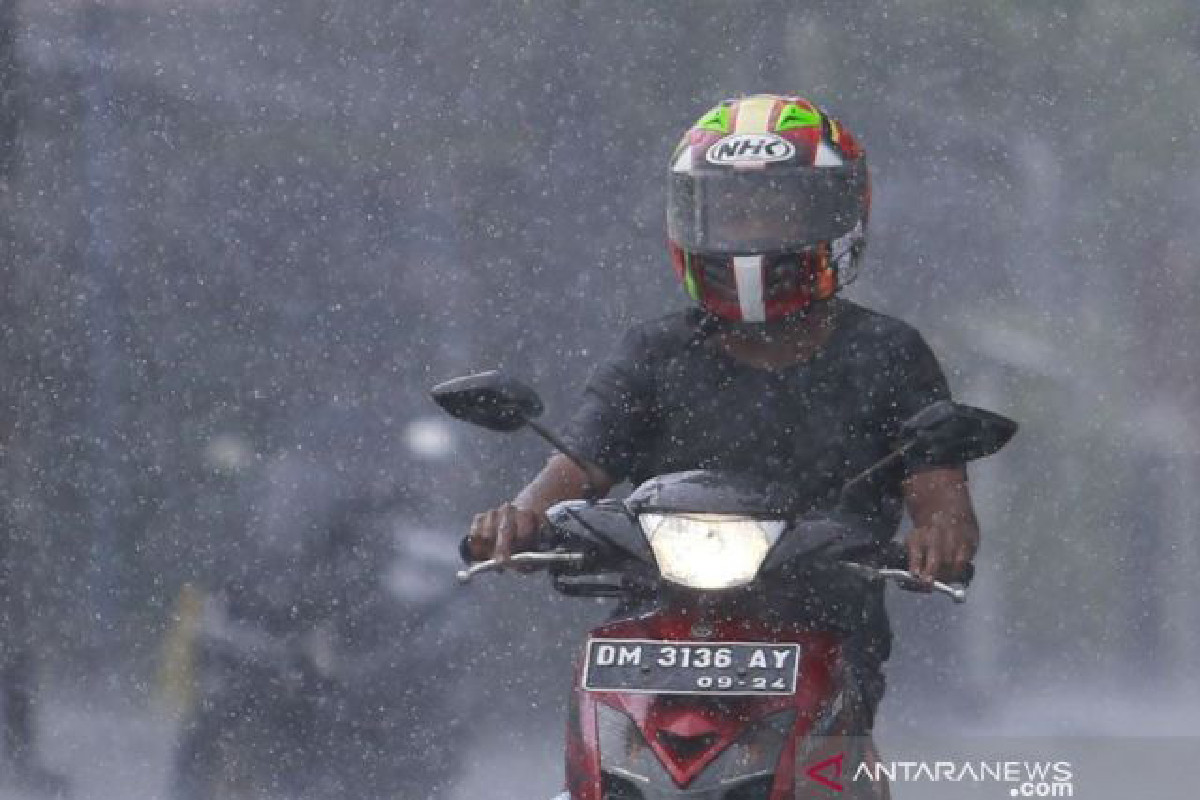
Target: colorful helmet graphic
[(768, 208)]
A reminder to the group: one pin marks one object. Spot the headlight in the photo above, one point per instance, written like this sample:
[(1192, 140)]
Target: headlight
[(709, 551)]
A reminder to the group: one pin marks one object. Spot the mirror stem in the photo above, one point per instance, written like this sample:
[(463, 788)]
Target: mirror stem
[(886, 461), (589, 491)]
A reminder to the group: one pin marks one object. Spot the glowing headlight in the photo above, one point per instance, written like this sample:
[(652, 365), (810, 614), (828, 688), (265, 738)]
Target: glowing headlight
[(709, 551)]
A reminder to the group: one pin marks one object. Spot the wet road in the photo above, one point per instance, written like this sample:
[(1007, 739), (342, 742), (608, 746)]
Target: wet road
[(121, 751)]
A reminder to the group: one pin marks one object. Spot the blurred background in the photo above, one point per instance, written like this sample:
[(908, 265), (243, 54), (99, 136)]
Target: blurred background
[(236, 234)]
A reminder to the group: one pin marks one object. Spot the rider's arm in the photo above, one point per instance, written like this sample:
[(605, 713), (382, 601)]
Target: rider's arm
[(562, 479), (608, 430), (513, 527), (945, 533)]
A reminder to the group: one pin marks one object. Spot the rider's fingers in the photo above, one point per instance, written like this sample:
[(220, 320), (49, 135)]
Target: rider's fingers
[(503, 549), (527, 525), (481, 539), (920, 556), (506, 531), (494, 535), (937, 559), (962, 558), (526, 532)]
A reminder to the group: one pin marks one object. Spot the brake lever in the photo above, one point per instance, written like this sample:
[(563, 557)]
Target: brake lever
[(521, 559), (902, 576)]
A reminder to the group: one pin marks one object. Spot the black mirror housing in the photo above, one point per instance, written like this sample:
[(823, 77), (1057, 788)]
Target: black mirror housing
[(952, 433), (489, 399)]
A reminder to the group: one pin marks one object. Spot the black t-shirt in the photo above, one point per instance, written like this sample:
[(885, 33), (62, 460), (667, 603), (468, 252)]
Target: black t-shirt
[(671, 399)]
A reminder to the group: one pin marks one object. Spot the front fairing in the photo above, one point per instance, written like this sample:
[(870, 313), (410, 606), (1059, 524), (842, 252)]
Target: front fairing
[(606, 530), (696, 747), (713, 492), (634, 744), (610, 532)]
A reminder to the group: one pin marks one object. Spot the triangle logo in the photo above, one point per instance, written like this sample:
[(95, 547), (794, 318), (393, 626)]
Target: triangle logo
[(715, 120), (794, 116), (828, 772)]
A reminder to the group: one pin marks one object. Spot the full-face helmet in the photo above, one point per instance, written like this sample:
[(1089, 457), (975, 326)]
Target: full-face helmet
[(768, 207)]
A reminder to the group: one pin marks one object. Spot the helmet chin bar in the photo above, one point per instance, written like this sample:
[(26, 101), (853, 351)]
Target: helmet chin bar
[(757, 287), (748, 273), (775, 323)]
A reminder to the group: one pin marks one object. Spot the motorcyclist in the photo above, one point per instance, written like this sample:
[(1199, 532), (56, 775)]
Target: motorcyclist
[(306, 678), (261, 689), (772, 374)]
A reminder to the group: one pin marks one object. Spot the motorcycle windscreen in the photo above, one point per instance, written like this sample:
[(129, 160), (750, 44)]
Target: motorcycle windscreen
[(702, 491)]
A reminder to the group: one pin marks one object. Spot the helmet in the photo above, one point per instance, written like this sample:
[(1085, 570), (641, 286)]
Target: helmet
[(768, 208)]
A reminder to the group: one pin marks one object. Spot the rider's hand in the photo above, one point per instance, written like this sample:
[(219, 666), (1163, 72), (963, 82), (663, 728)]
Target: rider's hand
[(503, 531), (945, 534), (941, 552)]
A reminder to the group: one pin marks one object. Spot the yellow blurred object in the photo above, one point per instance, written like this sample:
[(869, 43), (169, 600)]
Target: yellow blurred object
[(176, 676)]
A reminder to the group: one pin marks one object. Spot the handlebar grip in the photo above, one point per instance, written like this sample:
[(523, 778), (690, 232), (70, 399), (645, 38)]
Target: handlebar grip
[(894, 555), (545, 538), (531, 559), (906, 580)]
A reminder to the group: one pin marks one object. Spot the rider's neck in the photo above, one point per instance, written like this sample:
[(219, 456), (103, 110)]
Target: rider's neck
[(789, 341)]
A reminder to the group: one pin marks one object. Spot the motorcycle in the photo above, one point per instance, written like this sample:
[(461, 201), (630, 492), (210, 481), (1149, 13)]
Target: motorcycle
[(699, 688), (304, 688), (263, 697)]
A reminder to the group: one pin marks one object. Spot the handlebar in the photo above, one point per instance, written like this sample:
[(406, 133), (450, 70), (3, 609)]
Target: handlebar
[(521, 559), (903, 576)]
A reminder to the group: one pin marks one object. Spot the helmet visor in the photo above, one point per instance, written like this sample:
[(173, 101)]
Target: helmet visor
[(760, 211)]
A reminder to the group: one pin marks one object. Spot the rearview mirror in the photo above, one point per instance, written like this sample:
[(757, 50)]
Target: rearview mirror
[(948, 432), (489, 399)]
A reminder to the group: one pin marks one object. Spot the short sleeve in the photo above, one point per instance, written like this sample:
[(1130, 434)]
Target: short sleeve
[(918, 381), (613, 422)]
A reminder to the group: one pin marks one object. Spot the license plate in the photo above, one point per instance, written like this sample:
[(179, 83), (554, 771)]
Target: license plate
[(655, 667)]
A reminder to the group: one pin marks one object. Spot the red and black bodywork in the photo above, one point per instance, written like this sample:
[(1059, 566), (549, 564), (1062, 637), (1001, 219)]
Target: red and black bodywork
[(632, 745), (630, 741)]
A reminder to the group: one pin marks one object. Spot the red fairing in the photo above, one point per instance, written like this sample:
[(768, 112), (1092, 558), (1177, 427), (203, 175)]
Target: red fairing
[(583, 749), (722, 719)]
